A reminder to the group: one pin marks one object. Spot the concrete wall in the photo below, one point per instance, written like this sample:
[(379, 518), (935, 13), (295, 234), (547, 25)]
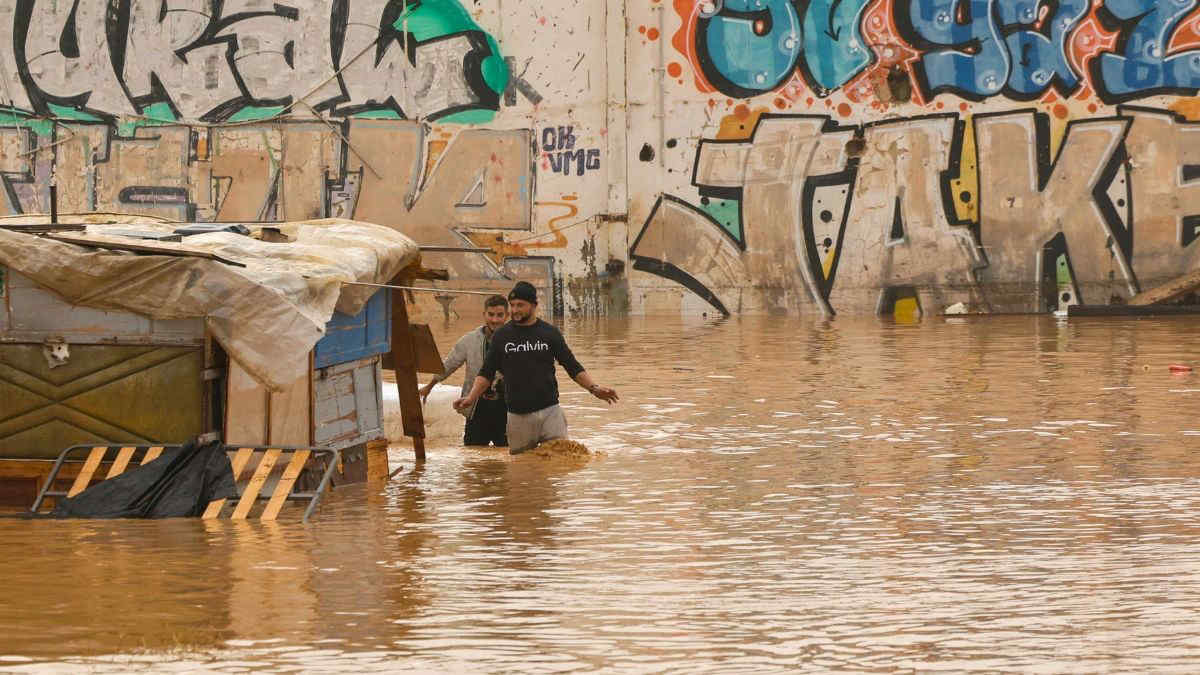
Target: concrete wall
[(659, 156)]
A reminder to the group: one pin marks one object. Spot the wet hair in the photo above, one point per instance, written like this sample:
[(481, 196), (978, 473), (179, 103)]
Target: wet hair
[(495, 301)]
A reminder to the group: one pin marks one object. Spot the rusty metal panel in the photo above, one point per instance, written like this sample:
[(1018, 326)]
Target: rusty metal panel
[(347, 403), (102, 393), (35, 314)]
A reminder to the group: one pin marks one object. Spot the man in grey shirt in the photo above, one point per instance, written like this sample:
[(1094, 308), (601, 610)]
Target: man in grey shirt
[(487, 419)]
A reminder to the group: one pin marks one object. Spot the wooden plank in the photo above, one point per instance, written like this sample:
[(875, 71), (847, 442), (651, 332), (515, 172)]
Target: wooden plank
[(404, 359), (32, 468), (428, 358), (247, 409), (288, 414), (256, 483), (122, 461), (240, 458), (284, 487), (377, 460), (89, 468), (18, 471), (143, 247), (152, 454), (42, 228), (1169, 290)]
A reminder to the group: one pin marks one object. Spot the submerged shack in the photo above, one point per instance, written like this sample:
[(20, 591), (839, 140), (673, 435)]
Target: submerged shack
[(143, 332)]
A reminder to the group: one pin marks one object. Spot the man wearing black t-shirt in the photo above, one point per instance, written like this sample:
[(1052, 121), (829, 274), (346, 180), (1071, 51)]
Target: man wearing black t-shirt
[(524, 351)]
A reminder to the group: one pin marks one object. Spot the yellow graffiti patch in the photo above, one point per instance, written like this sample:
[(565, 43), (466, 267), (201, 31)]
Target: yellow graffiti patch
[(965, 188), (740, 125), (1188, 107), (906, 310), (827, 263), (1058, 132)]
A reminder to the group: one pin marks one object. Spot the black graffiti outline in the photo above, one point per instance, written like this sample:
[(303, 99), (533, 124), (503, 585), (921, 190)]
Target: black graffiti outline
[(1187, 173), (713, 74), (117, 20), (486, 98), (38, 99), (725, 193), (668, 270), (117, 26)]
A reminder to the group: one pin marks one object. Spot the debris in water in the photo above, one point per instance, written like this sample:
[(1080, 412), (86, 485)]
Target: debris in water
[(560, 447), (956, 308)]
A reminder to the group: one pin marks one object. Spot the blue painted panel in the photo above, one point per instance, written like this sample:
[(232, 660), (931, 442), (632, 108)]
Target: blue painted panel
[(349, 338)]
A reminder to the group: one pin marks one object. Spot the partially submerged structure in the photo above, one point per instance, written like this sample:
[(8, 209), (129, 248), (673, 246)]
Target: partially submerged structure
[(142, 332)]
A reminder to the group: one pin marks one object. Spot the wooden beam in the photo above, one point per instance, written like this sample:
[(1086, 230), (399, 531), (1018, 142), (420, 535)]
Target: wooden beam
[(89, 468), (428, 359), (152, 454), (239, 463), (404, 359), (119, 465), (1171, 289), (256, 484), (284, 487), (143, 247)]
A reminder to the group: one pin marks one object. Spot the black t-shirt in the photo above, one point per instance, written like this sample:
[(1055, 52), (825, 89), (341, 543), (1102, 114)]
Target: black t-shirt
[(525, 355)]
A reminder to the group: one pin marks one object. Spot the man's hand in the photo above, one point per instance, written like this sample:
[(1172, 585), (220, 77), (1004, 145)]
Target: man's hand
[(424, 391), (604, 393), (463, 403)]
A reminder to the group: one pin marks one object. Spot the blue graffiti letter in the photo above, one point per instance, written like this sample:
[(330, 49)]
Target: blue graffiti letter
[(834, 48), (1038, 60), (748, 47), (966, 52), (1143, 68)]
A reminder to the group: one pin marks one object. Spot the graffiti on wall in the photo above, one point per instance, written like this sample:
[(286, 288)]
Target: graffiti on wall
[(561, 155), (1074, 194), (851, 217), (433, 187), (244, 59), (1020, 49), (172, 108)]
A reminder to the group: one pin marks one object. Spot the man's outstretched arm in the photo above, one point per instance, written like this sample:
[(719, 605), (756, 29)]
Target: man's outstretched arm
[(603, 393)]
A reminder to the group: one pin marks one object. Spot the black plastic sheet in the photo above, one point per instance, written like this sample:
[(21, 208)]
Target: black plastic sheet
[(179, 483)]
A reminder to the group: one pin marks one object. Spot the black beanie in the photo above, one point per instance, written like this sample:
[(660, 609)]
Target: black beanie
[(523, 291)]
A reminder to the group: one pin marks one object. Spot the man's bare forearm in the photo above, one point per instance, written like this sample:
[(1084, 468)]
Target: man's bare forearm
[(584, 380), (480, 385), (603, 393)]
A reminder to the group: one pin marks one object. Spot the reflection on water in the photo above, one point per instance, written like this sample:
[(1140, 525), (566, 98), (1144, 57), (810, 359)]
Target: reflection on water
[(968, 494)]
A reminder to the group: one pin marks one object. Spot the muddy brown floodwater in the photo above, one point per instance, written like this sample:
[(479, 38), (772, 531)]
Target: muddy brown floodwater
[(1007, 493)]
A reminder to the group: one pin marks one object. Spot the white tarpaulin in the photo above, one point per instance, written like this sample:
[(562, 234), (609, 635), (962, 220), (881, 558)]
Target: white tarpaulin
[(267, 315)]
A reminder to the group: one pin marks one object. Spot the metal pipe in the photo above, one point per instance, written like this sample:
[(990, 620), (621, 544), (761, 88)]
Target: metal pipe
[(418, 288), (456, 249), (320, 491)]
